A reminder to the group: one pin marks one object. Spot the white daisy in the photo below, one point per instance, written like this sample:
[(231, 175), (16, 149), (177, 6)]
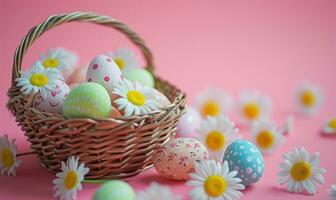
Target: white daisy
[(134, 98), (332, 192), (213, 102), (8, 151), (38, 79), (69, 180), (216, 133), (213, 181), (301, 171), (125, 59), (156, 191), (330, 127), (287, 127), (266, 136), (308, 98), (60, 59), (253, 106)]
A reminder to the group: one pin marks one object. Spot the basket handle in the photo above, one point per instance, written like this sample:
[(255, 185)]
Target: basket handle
[(56, 20)]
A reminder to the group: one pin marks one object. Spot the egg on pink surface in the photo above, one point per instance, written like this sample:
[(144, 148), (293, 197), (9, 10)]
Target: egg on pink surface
[(245, 158), (104, 71), (189, 122), (54, 100), (176, 159)]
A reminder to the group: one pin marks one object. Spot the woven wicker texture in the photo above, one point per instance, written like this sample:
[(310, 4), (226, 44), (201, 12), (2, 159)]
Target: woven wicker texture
[(111, 148)]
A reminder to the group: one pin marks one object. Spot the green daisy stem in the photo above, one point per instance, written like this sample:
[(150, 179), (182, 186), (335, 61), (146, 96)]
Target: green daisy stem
[(95, 181), (25, 154)]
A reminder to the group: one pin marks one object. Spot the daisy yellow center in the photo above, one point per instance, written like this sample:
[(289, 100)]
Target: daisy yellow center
[(265, 139), (252, 110), (210, 108), (50, 63), (301, 171), (120, 62), (215, 140), (70, 180), (332, 123), (136, 98), (308, 98), (39, 80), (7, 158), (215, 186)]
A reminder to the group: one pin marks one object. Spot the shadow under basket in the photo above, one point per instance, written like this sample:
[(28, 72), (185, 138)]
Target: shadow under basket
[(111, 148)]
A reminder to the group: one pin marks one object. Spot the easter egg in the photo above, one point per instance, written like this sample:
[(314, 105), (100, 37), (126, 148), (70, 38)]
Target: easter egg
[(116, 190), (73, 85), (114, 113), (143, 76), (78, 76), (189, 122), (54, 100), (176, 159), (159, 97), (103, 70), (87, 100), (245, 158)]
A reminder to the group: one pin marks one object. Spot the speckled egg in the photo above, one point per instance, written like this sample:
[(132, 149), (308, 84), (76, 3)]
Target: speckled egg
[(116, 190), (189, 122), (103, 70), (175, 160), (54, 100), (87, 100), (143, 76), (245, 158)]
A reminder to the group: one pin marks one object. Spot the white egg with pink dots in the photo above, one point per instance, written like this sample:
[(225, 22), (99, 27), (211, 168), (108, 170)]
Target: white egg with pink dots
[(103, 70)]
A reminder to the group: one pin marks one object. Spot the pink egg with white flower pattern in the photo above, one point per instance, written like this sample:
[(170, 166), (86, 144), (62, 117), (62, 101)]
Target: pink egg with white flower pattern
[(104, 71), (176, 159), (54, 100)]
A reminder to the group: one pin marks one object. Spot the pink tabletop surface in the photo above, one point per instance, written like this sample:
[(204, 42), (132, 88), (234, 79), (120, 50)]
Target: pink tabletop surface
[(235, 45)]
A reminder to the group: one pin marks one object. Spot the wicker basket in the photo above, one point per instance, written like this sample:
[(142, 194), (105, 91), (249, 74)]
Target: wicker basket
[(111, 148)]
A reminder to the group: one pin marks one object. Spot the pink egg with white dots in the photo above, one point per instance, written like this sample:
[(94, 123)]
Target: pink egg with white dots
[(104, 71), (54, 100)]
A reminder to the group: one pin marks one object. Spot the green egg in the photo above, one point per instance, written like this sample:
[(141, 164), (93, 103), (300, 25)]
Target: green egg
[(114, 190), (143, 76), (88, 100)]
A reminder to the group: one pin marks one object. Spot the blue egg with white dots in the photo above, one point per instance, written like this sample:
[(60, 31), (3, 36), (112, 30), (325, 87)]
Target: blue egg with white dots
[(245, 158)]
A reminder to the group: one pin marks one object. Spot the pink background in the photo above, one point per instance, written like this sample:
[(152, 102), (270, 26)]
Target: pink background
[(235, 45)]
